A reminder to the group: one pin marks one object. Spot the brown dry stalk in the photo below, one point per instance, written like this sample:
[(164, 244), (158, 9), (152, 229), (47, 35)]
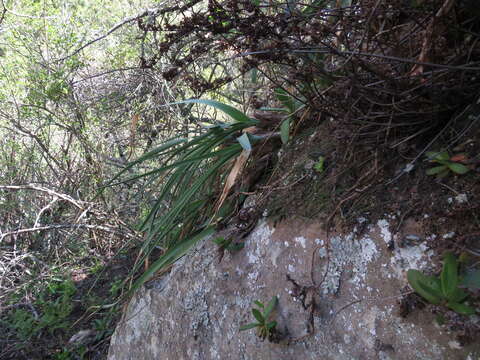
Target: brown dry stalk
[(427, 39), (237, 169)]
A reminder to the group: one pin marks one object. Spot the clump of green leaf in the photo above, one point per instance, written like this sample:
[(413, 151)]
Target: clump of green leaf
[(446, 163), (266, 329), (443, 290), (228, 244), (54, 305), (189, 169)]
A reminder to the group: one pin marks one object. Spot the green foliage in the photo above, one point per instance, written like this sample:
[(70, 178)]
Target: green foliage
[(54, 305), (443, 290), (228, 244), (181, 214), (115, 288), (24, 323), (291, 106), (265, 327), (103, 327), (446, 164), (319, 166)]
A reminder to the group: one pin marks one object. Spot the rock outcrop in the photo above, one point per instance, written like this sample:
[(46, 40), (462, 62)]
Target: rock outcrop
[(196, 310)]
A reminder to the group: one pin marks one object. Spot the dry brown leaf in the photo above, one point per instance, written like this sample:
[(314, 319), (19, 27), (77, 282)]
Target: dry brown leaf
[(251, 130), (232, 177)]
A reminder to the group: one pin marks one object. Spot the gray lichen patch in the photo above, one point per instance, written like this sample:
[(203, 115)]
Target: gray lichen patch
[(196, 311)]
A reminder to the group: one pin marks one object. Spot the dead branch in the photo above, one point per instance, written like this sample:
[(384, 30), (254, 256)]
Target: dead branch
[(63, 226), (464, 67), (76, 203)]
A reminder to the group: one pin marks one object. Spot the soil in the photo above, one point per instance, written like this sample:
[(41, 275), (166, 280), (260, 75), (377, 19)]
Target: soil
[(361, 182)]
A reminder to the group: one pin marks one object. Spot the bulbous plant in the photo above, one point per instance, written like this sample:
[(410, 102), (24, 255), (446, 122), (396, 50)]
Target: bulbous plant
[(265, 329), (443, 290)]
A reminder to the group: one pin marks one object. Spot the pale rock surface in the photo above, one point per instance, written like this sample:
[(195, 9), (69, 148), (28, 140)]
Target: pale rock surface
[(195, 311)]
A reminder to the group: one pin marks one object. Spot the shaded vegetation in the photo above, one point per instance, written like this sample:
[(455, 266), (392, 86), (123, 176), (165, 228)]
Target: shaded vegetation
[(109, 175)]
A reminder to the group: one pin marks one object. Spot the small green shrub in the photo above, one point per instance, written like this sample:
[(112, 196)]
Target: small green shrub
[(55, 306), (443, 290), (447, 164), (265, 328), (23, 322)]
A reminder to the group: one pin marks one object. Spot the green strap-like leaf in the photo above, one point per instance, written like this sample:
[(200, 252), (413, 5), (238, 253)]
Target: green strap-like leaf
[(285, 99), (227, 109), (449, 275), (258, 315), (151, 154), (285, 130), (259, 304), (461, 308), (172, 255), (271, 305), (426, 286), (249, 326)]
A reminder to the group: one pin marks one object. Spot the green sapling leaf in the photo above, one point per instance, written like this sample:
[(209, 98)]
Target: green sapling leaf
[(254, 75), (220, 241), (258, 315), (259, 304), (285, 99), (319, 164), (249, 326), (271, 305)]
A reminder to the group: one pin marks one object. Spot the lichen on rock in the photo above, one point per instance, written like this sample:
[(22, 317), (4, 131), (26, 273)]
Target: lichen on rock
[(196, 311)]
